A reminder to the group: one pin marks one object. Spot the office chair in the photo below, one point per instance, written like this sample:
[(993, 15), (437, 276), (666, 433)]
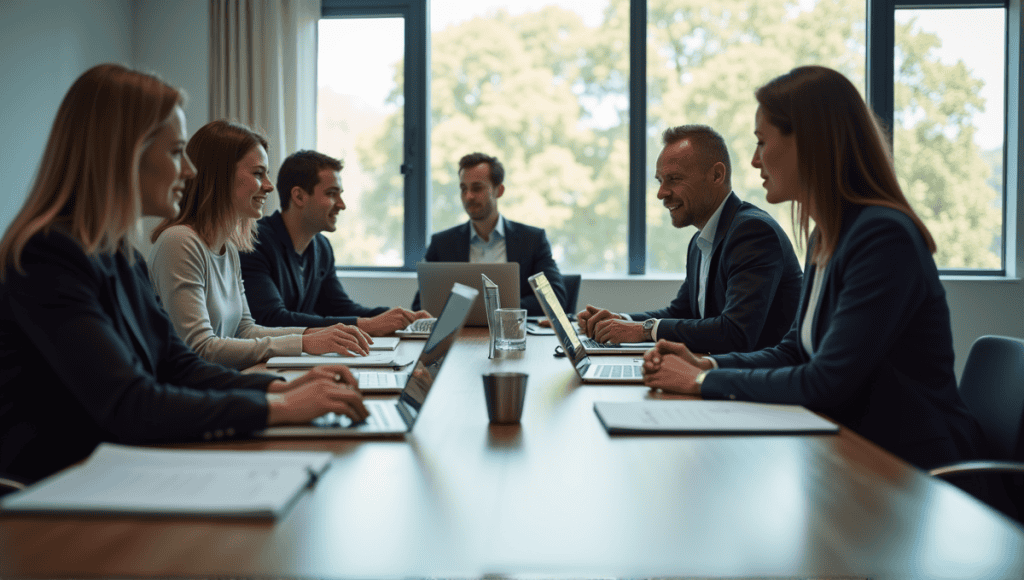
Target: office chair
[(572, 291), (992, 387)]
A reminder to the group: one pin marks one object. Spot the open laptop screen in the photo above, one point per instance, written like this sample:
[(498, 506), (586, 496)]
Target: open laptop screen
[(440, 341), (559, 321)]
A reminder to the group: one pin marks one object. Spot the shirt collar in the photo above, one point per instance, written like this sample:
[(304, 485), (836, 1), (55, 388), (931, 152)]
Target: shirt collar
[(499, 231), (708, 233)]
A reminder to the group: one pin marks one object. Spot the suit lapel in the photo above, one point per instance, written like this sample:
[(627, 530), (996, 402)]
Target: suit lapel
[(126, 312), (513, 251), (732, 205), (291, 259), (461, 249)]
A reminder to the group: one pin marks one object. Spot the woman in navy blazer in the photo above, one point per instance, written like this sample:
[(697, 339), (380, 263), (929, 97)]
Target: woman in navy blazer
[(86, 353), (871, 346)]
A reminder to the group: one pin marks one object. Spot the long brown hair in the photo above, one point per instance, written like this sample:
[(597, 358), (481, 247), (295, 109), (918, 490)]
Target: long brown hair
[(88, 179), (844, 154), (207, 205)]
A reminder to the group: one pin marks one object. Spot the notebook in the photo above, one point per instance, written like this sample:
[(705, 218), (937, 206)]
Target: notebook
[(709, 417), (589, 372), (435, 278), (393, 417)]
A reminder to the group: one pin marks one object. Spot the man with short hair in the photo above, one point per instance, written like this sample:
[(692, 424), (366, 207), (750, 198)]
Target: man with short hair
[(742, 285), (489, 237), (290, 279)]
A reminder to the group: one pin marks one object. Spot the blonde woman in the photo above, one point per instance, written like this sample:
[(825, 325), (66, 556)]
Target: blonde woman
[(195, 267), (88, 355)]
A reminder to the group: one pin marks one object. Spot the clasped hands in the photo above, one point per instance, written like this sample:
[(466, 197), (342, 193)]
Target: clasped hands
[(606, 326), (671, 367)]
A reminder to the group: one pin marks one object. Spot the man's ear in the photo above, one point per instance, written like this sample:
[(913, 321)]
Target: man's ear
[(718, 172), (501, 190), (299, 196)]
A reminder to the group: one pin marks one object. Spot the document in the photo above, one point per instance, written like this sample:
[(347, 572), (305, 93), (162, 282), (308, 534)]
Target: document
[(119, 479), (709, 417), (307, 361)]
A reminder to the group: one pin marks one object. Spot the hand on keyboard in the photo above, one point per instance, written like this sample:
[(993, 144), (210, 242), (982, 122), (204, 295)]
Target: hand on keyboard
[(423, 325)]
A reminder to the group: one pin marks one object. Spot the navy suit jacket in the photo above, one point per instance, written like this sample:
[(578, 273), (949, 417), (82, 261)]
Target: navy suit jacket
[(88, 355), (753, 286), (883, 348), (273, 282), (524, 244)]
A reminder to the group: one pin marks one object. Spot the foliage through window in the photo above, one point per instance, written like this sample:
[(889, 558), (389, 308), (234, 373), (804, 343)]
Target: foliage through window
[(544, 85)]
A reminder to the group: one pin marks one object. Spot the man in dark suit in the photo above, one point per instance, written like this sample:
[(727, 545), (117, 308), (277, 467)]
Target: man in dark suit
[(290, 279), (489, 237), (742, 283)]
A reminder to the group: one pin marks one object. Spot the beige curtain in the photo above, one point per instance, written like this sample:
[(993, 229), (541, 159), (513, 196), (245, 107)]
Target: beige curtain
[(263, 71)]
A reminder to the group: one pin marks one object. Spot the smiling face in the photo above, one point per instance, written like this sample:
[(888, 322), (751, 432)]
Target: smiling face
[(479, 195), (320, 213), (687, 190), (252, 184), (164, 167), (776, 157)]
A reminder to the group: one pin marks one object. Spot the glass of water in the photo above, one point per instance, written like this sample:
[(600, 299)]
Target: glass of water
[(511, 329)]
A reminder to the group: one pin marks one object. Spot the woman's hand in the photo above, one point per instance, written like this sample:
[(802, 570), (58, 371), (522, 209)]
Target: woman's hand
[(327, 389), (339, 338), (670, 366)]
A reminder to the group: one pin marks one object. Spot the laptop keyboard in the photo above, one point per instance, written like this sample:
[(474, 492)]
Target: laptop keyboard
[(618, 372), (591, 343), (379, 419), (421, 325), (375, 379)]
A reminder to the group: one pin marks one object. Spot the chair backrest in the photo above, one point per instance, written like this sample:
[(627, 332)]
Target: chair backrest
[(992, 387), (572, 291)]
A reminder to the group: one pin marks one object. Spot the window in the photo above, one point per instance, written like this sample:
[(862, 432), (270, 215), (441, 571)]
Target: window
[(948, 131), (572, 96)]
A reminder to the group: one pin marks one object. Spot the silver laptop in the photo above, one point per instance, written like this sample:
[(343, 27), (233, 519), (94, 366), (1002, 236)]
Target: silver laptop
[(589, 345), (436, 278), (613, 372), (390, 417)]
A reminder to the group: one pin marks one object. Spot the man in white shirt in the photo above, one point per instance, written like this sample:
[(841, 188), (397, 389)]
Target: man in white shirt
[(489, 237), (742, 285)]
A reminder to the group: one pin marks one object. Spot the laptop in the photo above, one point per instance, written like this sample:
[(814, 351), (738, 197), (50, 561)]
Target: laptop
[(615, 372), (436, 278), (589, 345), (391, 417)]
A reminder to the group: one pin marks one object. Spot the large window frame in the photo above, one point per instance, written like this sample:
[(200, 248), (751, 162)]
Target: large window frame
[(879, 76)]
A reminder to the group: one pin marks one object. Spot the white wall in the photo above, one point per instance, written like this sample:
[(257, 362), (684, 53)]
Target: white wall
[(46, 44)]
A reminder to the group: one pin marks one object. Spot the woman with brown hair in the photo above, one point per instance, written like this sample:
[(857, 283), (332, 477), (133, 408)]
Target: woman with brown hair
[(86, 352), (871, 346), (194, 264)]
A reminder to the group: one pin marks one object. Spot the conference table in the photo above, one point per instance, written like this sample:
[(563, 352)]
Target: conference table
[(555, 496)]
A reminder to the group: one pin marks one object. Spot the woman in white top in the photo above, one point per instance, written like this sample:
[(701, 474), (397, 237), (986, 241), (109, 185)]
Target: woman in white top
[(194, 263)]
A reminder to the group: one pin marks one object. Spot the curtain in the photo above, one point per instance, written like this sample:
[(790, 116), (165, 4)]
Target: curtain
[(263, 71)]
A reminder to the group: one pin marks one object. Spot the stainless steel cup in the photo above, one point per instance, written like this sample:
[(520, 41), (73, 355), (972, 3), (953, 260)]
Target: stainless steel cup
[(505, 393)]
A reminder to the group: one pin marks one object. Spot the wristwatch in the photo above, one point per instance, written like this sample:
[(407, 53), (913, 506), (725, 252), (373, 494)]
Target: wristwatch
[(649, 329)]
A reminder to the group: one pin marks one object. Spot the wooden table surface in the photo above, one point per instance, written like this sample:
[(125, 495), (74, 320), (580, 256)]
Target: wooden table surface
[(556, 496)]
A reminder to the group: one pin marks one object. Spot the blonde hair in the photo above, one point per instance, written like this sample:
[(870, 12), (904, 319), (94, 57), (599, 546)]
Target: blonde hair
[(88, 179), (208, 205), (844, 154)]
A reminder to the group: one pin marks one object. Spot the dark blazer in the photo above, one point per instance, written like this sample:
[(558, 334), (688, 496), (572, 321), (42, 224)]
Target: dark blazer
[(524, 244), (883, 360), (273, 282), (88, 355), (753, 286)]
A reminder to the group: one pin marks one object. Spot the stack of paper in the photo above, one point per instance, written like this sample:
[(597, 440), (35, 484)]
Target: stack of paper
[(132, 480)]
